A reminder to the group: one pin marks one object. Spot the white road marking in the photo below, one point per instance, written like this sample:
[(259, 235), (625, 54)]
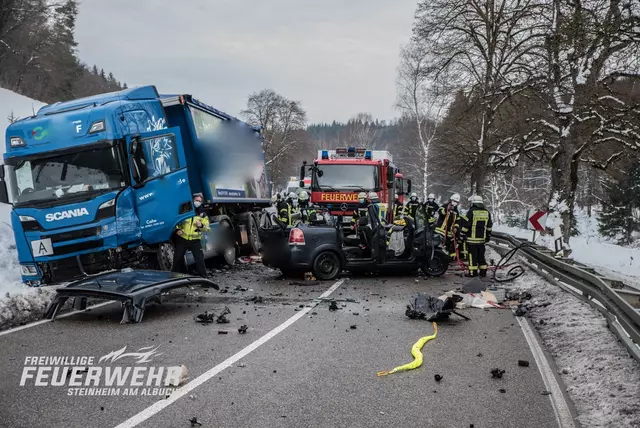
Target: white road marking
[(186, 389), (68, 314), (558, 402)]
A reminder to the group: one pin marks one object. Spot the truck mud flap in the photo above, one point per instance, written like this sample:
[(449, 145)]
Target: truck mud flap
[(134, 288)]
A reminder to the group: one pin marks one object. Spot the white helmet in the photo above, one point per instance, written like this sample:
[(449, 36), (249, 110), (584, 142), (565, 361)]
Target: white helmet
[(476, 199), (373, 196), (431, 196), (362, 197), (274, 198), (303, 196), (455, 197), (414, 195), (292, 195)]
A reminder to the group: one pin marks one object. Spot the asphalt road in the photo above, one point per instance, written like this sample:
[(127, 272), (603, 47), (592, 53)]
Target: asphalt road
[(314, 370)]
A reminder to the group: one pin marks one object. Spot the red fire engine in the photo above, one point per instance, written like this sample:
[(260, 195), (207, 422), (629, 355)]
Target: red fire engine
[(339, 175)]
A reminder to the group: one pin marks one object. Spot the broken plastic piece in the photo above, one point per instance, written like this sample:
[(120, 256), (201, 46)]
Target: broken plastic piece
[(415, 351), (194, 422), (438, 378), (523, 363), (243, 329), (497, 373)]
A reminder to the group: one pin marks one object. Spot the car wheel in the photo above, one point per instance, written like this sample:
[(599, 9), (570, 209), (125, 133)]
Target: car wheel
[(254, 235), (326, 266), (437, 266), (164, 256)]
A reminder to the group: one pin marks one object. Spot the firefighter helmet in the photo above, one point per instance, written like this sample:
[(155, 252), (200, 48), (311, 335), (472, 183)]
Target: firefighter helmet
[(431, 197), (455, 197), (303, 196), (414, 196), (373, 196), (476, 199), (274, 198)]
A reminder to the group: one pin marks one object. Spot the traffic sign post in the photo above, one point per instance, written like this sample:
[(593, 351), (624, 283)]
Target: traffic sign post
[(536, 222)]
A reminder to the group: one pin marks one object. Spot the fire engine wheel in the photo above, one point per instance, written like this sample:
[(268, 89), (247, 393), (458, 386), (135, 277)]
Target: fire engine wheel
[(164, 256), (437, 266), (326, 266), (254, 236)]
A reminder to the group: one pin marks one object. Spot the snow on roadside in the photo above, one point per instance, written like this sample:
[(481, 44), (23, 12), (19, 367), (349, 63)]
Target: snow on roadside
[(589, 248), (19, 304), (602, 379)]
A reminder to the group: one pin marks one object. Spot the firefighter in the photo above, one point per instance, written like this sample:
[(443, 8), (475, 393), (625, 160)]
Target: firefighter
[(307, 212), (361, 211), (461, 236), (189, 237), (431, 207), (413, 205), (286, 208), (446, 221), (478, 230), (275, 200), (399, 208), (379, 207)]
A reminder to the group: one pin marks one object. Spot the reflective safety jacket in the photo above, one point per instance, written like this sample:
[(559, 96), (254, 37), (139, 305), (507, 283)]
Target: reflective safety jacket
[(399, 209), (189, 229), (360, 212), (285, 209), (446, 220), (412, 208), (381, 211), (308, 213), (478, 225)]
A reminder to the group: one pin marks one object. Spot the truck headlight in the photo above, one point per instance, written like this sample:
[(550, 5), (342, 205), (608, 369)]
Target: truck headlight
[(108, 204), (16, 142), (25, 218), (28, 270)]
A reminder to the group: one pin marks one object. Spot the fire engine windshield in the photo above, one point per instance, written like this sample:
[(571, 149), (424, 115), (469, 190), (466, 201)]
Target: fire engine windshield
[(52, 178), (346, 177)]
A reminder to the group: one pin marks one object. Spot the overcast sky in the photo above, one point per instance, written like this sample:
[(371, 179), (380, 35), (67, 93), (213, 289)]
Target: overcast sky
[(338, 57)]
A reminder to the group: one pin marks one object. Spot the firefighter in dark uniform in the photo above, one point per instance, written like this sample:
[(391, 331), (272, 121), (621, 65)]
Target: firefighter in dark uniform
[(445, 223), (361, 211), (308, 213), (478, 230), (431, 207), (189, 238), (379, 208), (399, 208), (286, 208), (413, 205), (461, 236)]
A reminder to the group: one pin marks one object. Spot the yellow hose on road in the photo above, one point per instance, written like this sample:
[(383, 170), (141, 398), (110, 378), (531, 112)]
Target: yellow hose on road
[(415, 351)]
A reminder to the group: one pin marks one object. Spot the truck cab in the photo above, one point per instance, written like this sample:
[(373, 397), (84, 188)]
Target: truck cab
[(101, 182)]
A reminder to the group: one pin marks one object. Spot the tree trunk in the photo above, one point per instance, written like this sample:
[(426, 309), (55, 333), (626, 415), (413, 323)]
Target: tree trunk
[(479, 175), (564, 180)]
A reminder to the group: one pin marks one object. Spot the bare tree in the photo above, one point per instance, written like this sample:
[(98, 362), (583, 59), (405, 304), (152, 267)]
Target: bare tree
[(283, 122), (591, 51), (423, 102), (362, 131), (485, 48)]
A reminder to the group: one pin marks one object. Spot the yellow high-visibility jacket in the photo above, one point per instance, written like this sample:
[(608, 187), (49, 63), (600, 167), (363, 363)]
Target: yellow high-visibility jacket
[(189, 229)]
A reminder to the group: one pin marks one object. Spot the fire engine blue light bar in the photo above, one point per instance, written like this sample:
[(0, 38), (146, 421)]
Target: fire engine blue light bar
[(325, 154)]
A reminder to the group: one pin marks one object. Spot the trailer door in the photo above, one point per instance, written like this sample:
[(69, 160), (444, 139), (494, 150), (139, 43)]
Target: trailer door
[(161, 184)]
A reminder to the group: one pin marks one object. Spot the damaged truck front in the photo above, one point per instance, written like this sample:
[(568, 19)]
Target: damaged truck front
[(101, 182)]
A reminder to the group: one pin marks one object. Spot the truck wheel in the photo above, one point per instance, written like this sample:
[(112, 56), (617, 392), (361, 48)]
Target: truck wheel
[(436, 266), (254, 235), (164, 256), (326, 266), (229, 249)]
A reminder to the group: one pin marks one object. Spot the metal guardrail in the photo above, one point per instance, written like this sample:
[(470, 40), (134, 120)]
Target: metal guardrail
[(618, 302)]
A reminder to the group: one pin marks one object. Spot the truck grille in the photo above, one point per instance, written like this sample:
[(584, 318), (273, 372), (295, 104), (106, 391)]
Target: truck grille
[(74, 248), (72, 235)]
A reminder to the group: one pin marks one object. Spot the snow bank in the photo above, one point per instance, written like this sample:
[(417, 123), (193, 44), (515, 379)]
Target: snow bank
[(611, 260), (19, 304), (601, 377)]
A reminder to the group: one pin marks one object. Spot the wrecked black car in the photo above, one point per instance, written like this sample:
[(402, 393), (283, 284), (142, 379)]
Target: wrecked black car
[(374, 246)]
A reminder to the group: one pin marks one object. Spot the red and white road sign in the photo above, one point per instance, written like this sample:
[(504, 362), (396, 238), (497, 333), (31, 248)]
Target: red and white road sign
[(537, 221)]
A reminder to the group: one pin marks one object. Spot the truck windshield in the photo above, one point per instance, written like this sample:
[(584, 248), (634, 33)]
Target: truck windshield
[(341, 177), (53, 178)]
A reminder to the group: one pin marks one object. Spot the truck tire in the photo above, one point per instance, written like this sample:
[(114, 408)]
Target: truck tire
[(326, 266), (229, 248), (164, 256), (254, 235)]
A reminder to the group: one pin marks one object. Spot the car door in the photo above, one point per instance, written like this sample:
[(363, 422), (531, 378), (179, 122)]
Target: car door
[(378, 240), (161, 183)]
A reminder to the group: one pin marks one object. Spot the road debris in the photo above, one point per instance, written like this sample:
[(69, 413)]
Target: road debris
[(257, 299), (223, 332), (243, 329), (194, 422), (222, 319), (438, 378), (304, 283), (432, 308), (415, 351), (333, 306), (502, 390), (205, 318), (497, 373), (521, 311), (173, 381), (523, 363), (240, 288), (353, 327)]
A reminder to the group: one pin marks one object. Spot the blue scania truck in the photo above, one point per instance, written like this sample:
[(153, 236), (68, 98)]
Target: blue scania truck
[(101, 182)]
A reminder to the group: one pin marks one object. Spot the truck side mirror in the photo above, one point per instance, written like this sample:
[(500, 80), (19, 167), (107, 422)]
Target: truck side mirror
[(408, 187), (133, 148), (4, 195), (302, 170), (135, 170), (2, 172), (391, 176)]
